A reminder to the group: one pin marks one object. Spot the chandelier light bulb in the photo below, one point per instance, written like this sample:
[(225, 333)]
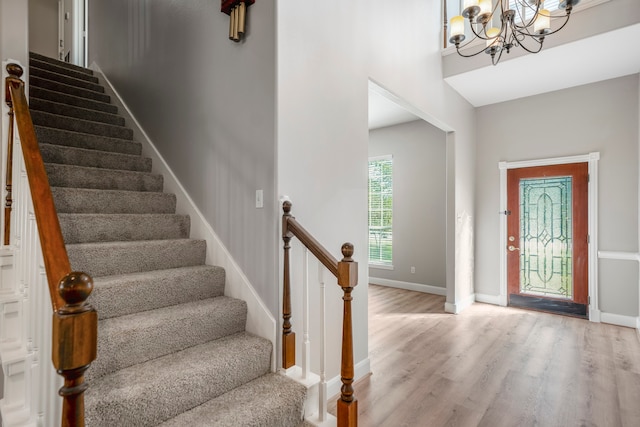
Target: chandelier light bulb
[(457, 26), (492, 36), (485, 7), (542, 23)]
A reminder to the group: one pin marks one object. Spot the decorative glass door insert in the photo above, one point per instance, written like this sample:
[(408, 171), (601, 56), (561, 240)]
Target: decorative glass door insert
[(546, 237)]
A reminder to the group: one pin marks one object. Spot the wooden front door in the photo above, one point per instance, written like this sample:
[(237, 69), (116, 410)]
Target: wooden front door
[(547, 238)]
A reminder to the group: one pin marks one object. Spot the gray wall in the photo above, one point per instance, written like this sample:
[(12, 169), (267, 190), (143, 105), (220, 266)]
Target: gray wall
[(43, 27), (419, 201), (597, 117), (208, 105)]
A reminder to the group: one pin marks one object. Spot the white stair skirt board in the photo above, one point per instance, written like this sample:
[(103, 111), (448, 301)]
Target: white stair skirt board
[(409, 286), (260, 322)]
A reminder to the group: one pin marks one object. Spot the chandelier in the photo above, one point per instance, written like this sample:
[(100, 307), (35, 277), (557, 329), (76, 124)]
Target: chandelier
[(508, 24)]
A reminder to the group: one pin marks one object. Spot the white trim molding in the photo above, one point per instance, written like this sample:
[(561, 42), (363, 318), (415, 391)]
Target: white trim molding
[(490, 299), (619, 320), (592, 159), (620, 256), (260, 321), (409, 286), (459, 306)]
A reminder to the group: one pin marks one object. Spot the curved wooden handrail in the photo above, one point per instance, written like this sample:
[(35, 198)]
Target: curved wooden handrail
[(75, 322), (346, 271)]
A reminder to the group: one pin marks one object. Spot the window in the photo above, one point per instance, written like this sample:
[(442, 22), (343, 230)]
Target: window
[(380, 210), (526, 10)]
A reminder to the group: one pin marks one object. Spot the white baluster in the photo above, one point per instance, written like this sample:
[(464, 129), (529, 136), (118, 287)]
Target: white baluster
[(322, 387), (306, 344)]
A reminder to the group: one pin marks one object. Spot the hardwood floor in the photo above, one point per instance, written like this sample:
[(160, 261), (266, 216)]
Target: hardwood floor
[(494, 366)]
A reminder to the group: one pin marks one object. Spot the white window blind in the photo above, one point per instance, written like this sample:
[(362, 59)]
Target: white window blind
[(381, 210)]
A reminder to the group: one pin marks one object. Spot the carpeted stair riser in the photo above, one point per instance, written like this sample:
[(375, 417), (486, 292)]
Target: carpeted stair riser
[(93, 158), (33, 62), (149, 393), (120, 295), (85, 200), (68, 89), (50, 95), (36, 104), (87, 141), (251, 404), (88, 228), (65, 65), (109, 258), (127, 340), (65, 79), (108, 179), (41, 118)]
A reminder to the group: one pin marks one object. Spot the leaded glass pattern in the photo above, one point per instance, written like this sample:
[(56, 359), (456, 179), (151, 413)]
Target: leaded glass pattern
[(546, 237)]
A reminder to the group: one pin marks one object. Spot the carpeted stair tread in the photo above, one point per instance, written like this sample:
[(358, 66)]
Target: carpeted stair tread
[(66, 65), (86, 200), (155, 391), (52, 153), (271, 400), (85, 140), (109, 258), (42, 118), (77, 101), (37, 104), (99, 178), (68, 89), (124, 294), (136, 338), (62, 77), (86, 228), (56, 68)]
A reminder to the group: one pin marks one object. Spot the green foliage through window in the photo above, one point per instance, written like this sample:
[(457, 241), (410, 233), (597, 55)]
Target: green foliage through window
[(380, 210)]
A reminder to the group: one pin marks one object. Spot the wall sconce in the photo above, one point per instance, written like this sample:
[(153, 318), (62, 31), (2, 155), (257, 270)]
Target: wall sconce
[(237, 11)]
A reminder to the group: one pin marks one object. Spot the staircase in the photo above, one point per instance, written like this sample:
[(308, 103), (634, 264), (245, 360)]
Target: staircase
[(172, 349)]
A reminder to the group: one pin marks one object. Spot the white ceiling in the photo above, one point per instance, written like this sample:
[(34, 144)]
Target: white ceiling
[(602, 57)]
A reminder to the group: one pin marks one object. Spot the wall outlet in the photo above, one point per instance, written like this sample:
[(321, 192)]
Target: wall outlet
[(413, 270), (259, 199)]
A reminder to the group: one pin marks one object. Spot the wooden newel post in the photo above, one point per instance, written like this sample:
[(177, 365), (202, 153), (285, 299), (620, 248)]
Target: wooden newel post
[(15, 73), (288, 337), (74, 345), (347, 279)]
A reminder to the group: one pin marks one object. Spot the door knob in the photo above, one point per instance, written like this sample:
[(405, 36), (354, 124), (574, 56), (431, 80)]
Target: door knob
[(513, 248)]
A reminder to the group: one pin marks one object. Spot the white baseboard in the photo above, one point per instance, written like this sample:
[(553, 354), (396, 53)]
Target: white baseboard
[(360, 370), (409, 286), (490, 299), (619, 320), (260, 322), (459, 306)]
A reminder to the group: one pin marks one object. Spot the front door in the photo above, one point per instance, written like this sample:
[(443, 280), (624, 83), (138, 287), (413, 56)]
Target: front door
[(547, 238)]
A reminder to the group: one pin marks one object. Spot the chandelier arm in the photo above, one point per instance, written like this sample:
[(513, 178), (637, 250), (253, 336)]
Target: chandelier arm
[(476, 34), (468, 56), (495, 61), (530, 50)]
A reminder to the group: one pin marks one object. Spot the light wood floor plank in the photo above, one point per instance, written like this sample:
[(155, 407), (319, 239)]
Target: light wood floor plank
[(493, 366)]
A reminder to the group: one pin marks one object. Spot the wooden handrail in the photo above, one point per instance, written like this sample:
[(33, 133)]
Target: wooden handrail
[(75, 322), (346, 271)]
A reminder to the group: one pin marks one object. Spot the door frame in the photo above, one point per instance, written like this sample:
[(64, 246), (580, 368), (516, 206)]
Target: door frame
[(592, 160)]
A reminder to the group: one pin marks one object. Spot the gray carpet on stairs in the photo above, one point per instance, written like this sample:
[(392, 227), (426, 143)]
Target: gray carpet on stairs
[(172, 349)]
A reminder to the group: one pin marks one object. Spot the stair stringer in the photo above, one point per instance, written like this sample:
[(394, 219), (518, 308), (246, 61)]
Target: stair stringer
[(260, 321)]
